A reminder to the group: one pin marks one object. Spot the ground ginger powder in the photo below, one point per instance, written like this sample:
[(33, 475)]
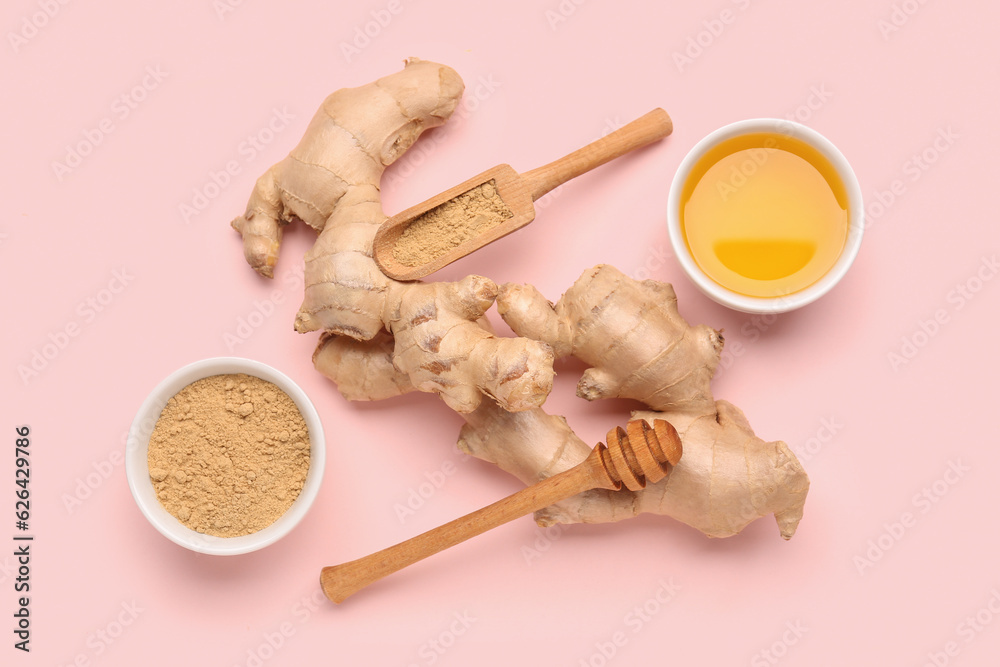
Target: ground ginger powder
[(229, 454), (451, 224)]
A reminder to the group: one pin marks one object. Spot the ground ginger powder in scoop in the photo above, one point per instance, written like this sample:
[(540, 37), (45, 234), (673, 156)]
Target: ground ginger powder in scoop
[(451, 224), (229, 454)]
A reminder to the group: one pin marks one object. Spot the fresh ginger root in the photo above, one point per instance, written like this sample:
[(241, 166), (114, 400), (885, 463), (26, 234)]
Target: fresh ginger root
[(330, 181), (443, 346), (356, 133), (629, 332), (383, 338), (640, 347), (726, 478), (362, 369)]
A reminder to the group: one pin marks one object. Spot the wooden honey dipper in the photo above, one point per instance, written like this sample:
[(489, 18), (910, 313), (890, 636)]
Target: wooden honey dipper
[(634, 455)]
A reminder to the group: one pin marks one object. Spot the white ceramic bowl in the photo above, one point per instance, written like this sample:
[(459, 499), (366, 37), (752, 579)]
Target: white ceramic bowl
[(137, 467), (778, 304)]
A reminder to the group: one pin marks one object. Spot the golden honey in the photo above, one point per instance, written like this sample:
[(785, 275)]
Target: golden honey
[(764, 214)]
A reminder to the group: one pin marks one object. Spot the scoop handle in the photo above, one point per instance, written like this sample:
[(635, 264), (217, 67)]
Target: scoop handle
[(645, 130)]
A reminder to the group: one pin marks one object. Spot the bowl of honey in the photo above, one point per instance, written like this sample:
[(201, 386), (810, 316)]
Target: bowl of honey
[(765, 215)]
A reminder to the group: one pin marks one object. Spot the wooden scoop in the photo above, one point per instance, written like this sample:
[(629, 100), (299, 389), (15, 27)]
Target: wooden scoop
[(518, 192), (634, 456)]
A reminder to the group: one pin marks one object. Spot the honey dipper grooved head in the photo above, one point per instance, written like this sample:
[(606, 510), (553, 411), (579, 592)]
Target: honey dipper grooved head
[(641, 453)]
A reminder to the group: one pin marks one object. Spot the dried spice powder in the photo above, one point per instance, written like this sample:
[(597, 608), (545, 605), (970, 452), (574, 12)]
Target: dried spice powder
[(229, 454), (451, 224)]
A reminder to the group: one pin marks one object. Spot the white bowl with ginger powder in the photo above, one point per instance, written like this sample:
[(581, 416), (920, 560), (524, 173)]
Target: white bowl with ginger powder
[(225, 456)]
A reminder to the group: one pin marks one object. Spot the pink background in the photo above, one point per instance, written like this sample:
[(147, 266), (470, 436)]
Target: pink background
[(873, 436)]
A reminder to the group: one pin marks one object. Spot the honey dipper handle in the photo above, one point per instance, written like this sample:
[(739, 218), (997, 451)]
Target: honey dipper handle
[(341, 581), (645, 130)]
